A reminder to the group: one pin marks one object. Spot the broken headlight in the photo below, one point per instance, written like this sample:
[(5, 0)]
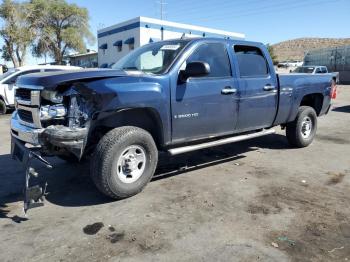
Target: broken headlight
[(52, 96), (51, 112)]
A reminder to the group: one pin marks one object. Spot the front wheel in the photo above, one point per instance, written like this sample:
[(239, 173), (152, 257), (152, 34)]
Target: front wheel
[(124, 162), (301, 132)]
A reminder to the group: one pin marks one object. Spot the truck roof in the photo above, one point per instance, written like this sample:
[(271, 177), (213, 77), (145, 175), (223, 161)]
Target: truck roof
[(227, 40)]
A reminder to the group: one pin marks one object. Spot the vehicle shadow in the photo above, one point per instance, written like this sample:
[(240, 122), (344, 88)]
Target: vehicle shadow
[(70, 185), (342, 109)]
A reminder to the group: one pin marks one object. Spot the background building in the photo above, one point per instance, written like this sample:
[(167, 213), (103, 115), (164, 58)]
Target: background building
[(116, 41), (337, 59), (86, 60)]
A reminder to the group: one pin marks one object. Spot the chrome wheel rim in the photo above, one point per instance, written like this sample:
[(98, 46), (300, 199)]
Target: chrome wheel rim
[(306, 127), (131, 164)]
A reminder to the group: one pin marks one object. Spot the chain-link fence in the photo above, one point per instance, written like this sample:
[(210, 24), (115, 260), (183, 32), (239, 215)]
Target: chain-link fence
[(337, 59)]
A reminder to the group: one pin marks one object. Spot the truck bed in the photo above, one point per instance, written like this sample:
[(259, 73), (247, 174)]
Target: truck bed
[(294, 87)]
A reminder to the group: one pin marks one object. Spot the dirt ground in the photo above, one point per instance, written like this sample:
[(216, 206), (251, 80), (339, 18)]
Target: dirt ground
[(257, 200)]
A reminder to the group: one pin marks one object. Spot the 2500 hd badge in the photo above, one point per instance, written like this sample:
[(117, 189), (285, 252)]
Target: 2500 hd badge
[(186, 115)]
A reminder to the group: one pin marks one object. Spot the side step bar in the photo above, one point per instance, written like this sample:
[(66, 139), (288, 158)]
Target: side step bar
[(185, 149)]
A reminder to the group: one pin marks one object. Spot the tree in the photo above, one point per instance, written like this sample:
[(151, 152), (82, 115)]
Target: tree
[(272, 54), (61, 27), (17, 31)]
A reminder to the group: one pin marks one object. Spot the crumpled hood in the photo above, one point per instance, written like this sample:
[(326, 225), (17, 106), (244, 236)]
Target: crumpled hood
[(50, 80)]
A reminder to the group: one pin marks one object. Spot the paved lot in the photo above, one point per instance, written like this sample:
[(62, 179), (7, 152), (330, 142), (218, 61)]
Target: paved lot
[(224, 204)]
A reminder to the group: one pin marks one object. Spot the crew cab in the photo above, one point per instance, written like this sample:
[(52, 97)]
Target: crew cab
[(174, 96), (8, 80)]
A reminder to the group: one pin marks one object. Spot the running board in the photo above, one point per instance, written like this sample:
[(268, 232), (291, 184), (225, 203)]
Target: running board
[(185, 149)]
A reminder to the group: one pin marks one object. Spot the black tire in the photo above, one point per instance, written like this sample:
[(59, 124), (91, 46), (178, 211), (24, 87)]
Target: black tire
[(296, 131), (3, 108), (105, 168)]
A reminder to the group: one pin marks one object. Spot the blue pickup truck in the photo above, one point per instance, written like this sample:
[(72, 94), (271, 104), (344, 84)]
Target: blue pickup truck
[(175, 96)]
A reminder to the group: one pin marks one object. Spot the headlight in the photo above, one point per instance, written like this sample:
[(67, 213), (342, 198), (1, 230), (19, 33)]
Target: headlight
[(51, 112), (52, 96)]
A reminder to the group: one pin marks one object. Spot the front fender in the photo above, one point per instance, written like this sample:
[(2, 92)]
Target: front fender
[(125, 93)]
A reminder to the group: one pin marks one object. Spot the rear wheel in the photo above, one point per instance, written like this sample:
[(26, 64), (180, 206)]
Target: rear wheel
[(3, 108), (124, 162), (301, 132)]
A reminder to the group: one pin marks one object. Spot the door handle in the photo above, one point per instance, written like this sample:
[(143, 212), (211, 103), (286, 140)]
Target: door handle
[(269, 87), (228, 90)]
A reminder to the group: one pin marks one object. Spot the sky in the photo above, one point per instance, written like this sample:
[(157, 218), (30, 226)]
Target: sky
[(269, 21)]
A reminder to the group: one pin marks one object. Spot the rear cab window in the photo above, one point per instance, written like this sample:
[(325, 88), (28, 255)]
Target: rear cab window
[(324, 70), (251, 61)]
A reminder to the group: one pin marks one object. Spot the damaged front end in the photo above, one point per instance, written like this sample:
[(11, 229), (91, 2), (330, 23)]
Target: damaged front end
[(47, 123), (57, 121), (54, 120)]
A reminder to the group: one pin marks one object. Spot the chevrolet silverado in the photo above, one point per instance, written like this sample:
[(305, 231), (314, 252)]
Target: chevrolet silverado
[(174, 96)]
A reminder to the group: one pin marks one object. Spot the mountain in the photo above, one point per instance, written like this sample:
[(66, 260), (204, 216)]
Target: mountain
[(296, 49)]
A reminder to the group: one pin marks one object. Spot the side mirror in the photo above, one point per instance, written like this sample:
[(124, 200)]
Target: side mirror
[(195, 69)]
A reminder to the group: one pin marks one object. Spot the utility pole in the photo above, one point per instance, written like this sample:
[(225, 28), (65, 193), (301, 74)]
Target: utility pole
[(161, 9), (161, 5)]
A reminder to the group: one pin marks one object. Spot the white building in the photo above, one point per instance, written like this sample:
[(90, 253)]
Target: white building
[(116, 41)]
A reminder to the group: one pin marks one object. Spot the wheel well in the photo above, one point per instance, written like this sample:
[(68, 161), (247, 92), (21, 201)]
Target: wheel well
[(145, 118), (313, 100)]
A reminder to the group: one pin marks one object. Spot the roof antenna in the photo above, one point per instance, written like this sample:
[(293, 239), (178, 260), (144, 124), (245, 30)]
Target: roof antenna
[(183, 36)]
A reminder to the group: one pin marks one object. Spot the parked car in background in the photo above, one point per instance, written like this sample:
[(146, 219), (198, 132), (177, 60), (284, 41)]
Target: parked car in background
[(8, 80), (316, 70), (286, 64), (175, 96), (294, 63), (282, 64)]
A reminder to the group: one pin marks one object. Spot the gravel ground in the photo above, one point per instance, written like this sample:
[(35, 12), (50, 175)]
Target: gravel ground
[(254, 200)]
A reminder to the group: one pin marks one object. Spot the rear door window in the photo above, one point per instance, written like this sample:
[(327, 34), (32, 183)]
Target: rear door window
[(251, 61)]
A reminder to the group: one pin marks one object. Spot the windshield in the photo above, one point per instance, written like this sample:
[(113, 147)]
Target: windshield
[(304, 69), (153, 58), (8, 73)]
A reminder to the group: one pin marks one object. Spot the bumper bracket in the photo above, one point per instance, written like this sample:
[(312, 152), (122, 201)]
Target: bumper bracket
[(34, 196)]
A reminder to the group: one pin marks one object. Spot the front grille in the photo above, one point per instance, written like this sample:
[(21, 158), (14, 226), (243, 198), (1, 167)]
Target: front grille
[(28, 106), (25, 116), (23, 93)]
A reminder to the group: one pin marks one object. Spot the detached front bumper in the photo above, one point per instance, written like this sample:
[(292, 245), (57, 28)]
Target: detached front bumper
[(54, 140)]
